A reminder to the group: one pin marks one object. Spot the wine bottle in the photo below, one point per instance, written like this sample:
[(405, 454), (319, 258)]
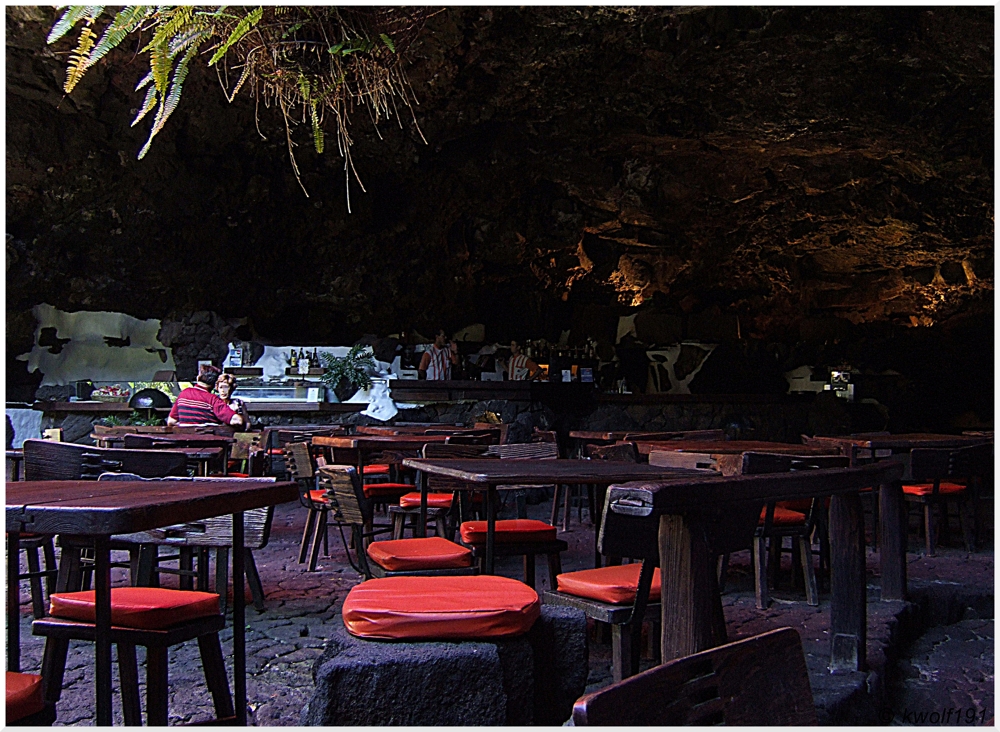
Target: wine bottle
[(293, 361)]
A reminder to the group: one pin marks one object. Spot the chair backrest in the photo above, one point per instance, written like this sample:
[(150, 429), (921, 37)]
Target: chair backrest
[(48, 460), (937, 464), (470, 439), (621, 453), (137, 442), (450, 450), (298, 461), (343, 485), (701, 435), (760, 680), (530, 451)]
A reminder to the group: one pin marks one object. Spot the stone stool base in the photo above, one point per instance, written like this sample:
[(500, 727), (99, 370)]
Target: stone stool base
[(528, 679)]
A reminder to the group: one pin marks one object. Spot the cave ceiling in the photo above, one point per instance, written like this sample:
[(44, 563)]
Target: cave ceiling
[(776, 164)]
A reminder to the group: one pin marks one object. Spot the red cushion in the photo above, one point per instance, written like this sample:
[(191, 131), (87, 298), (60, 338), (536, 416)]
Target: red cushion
[(926, 489), (440, 608), (783, 516), (377, 469), (408, 555), (434, 500), (231, 474), (508, 531), (616, 585), (24, 695), (387, 490), (148, 608), (319, 496)]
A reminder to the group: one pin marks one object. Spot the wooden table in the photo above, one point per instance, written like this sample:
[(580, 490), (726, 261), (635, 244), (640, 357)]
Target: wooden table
[(15, 458), (174, 440), (732, 447), (694, 518), (200, 456), (606, 437), (490, 474), (392, 430), (365, 445), (892, 529), (97, 510)]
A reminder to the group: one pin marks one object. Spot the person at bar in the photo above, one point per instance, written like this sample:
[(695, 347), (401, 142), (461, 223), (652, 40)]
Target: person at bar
[(197, 405), (436, 363), (225, 387), (519, 366)]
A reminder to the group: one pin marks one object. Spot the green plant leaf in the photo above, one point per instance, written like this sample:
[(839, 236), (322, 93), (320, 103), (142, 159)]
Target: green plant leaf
[(73, 15), (124, 23), (242, 28), (79, 59), (147, 106), (388, 42)]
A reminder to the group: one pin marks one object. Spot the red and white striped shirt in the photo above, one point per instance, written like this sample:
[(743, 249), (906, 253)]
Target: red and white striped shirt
[(517, 369), (196, 405), (439, 367)]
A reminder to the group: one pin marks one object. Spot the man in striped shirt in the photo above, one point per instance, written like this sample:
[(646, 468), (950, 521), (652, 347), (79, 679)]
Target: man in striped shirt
[(436, 363), (520, 367), (197, 405)]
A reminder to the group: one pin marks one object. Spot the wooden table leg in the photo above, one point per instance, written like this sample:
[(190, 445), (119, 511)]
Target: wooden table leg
[(421, 528), (892, 541), (102, 631), (491, 523), (239, 623), (13, 601), (848, 602), (691, 620)]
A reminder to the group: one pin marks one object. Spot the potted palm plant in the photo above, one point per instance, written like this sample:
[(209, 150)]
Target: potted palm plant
[(345, 375)]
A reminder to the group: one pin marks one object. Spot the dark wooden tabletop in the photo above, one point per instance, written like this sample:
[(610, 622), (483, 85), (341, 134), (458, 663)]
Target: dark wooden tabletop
[(906, 441), (615, 435), (732, 447), (546, 472), (191, 439), (97, 508), (404, 430), (383, 442)]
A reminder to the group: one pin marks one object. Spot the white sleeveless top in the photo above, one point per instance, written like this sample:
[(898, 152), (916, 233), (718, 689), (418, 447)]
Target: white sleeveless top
[(439, 369)]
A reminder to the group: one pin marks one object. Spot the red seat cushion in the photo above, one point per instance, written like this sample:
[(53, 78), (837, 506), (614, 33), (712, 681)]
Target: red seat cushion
[(440, 608), (616, 585), (24, 695), (319, 496), (508, 531), (407, 555), (148, 608), (434, 500), (377, 469), (387, 490), (784, 516), (926, 489)]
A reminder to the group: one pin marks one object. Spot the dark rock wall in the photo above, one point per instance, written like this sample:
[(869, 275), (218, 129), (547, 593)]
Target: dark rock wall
[(820, 179)]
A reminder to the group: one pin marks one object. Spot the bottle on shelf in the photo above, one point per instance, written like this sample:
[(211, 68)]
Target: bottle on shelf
[(293, 360)]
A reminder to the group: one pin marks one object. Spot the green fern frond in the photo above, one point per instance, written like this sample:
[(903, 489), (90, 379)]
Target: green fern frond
[(80, 57), (169, 104), (197, 32), (159, 65), (147, 106), (176, 20), (241, 29), (239, 84), (388, 42), (304, 86), (318, 137), (73, 15), (124, 23), (144, 81)]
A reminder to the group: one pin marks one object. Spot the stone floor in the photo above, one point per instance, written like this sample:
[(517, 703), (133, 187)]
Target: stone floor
[(911, 671)]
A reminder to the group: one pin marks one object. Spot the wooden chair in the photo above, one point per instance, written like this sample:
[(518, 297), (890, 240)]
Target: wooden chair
[(150, 623), (48, 460), (543, 449), (396, 557), (30, 544), (299, 464), (943, 475), (762, 680)]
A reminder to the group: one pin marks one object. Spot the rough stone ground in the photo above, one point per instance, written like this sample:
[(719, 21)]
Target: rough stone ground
[(949, 666)]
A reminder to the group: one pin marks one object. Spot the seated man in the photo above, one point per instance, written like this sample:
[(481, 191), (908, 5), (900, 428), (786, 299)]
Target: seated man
[(197, 405)]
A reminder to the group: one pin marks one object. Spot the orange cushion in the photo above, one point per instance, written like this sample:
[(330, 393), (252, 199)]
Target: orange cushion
[(407, 555), (616, 585), (508, 531), (802, 505), (24, 695), (377, 469), (148, 608), (387, 490), (440, 608), (926, 489), (783, 516), (318, 496), (434, 500)]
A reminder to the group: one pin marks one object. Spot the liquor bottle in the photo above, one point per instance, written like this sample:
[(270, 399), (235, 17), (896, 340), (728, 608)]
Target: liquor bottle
[(315, 358), (293, 360), (303, 362)]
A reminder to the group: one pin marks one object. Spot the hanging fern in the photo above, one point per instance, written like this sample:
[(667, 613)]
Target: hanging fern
[(312, 63)]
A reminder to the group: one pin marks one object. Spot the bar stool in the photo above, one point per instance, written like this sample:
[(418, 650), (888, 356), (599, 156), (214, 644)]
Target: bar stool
[(25, 703), (153, 617)]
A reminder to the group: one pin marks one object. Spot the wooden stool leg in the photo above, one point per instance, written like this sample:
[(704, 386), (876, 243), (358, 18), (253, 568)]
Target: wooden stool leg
[(398, 525), (774, 561), (156, 687), (53, 668), (929, 528), (555, 569), (186, 564), (215, 675), (760, 572), (555, 505), (317, 538), (621, 651), (203, 569), (253, 579), (440, 529), (145, 565), (222, 577), (49, 552), (529, 570), (128, 672), (307, 534), (37, 600), (567, 503), (808, 574)]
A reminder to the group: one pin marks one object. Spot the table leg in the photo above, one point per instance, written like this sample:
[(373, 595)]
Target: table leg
[(491, 524), (692, 617), (239, 623), (421, 528), (848, 601), (13, 601), (892, 541), (102, 631), (600, 491)]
